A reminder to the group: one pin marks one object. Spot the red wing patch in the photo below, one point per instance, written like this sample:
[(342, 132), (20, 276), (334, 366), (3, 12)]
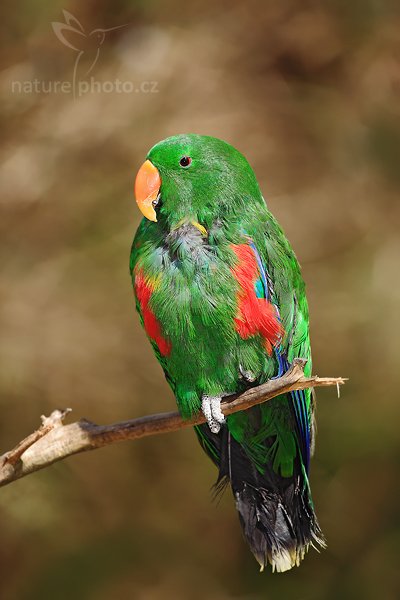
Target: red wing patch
[(144, 290), (255, 315)]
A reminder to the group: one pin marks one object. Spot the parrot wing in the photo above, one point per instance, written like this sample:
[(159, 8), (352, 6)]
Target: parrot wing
[(281, 283)]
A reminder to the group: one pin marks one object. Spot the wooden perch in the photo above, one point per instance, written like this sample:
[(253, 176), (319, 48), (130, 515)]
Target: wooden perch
[(54, 441)]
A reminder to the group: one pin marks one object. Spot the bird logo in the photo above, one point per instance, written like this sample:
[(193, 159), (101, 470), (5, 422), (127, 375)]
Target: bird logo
[(86, 45)]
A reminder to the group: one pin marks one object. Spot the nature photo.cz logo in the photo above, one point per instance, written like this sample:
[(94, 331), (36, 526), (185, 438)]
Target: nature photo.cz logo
[(86, 46)]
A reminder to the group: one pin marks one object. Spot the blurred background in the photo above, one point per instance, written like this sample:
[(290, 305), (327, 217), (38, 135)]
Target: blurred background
[(309, 92)]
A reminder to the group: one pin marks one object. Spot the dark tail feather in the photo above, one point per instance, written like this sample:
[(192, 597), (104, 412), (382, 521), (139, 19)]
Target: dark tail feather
[(278, 532), (276, 513)]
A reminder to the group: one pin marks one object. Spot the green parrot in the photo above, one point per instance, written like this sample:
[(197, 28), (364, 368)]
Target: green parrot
[(220, 295)]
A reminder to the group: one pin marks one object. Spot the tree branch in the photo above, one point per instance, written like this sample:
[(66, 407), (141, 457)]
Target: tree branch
[(54, 441)]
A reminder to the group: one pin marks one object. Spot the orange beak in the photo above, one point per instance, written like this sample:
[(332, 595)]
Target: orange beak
[(147, 186)]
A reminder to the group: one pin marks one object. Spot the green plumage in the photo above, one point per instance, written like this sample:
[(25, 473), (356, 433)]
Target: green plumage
[(194, 296)]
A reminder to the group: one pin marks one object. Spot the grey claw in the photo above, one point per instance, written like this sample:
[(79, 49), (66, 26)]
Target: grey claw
[(214, 426), (247, 375)]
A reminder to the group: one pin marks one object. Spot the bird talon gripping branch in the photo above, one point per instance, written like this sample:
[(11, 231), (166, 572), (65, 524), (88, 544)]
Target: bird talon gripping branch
[(211, 407)]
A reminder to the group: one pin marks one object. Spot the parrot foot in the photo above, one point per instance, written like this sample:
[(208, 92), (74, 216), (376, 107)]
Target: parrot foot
[(247, 375), (211, 407)]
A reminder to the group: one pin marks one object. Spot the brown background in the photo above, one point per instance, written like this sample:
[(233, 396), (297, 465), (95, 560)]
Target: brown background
[(309, 92)]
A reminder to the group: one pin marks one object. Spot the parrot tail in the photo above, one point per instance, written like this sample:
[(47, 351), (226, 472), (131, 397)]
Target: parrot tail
[(278, 526), (276, 513)]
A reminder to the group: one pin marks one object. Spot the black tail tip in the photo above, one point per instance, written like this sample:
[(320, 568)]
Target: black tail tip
[(278, 535)]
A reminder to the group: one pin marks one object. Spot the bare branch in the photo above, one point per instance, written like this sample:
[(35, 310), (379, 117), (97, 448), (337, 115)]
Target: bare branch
[(54, 441), (48, 423)]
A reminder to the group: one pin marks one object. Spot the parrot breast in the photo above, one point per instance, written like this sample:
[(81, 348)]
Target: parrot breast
[(203, 310)]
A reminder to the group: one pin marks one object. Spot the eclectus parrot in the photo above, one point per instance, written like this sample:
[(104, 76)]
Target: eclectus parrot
[(220, 295)]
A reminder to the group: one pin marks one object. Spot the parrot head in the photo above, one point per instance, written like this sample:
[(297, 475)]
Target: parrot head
[(195, 179)]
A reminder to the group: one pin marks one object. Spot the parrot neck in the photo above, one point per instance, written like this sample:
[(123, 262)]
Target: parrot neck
[(188, 239), (187, 232)]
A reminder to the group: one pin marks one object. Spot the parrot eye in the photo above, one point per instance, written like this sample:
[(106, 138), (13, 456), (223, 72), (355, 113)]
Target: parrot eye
[(185, 161), (157, 201)]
